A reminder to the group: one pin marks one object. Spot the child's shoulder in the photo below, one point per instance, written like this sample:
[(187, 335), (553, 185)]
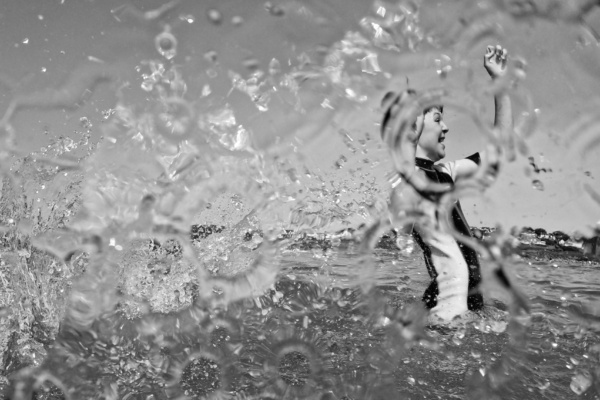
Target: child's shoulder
[(458, 168)]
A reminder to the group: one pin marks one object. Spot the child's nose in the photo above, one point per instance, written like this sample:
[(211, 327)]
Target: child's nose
[(444, 128)]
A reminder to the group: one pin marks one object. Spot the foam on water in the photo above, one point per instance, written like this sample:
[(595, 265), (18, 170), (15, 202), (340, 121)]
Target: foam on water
[(187, 240)]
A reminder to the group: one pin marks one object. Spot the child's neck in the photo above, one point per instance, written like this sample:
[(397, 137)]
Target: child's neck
[(420, 153)]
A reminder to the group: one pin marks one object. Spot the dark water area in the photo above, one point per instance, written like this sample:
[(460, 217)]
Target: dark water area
[(314, 334), (194, 196)]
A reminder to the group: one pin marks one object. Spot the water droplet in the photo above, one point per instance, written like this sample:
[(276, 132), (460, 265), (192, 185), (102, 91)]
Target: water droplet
[(40, 17), (190, 19), (43, 69), (574, 361), (166, 44), (147, 86), (48, 390), (211, 56), (294, 368), (274, 9), (237, 20), (581, 382), (537, 185), (175, 118), (274, 67), (201, 377), (26, 40), (544, 386), (211, 73), (251, 63), (520, 69), (214, 16), (443, 66)]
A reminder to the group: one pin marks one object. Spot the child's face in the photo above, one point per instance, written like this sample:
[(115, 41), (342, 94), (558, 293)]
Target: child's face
[(433, 135)]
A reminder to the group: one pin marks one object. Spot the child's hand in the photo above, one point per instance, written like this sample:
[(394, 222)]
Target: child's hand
[(494, 61)]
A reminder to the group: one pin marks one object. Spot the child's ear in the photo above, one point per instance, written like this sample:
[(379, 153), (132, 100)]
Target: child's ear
[(419, 124)]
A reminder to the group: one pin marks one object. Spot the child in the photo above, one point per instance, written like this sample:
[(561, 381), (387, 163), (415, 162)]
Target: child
[(452, 266)]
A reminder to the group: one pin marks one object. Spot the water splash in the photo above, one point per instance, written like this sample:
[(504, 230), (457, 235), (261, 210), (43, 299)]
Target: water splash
[(267, 302)]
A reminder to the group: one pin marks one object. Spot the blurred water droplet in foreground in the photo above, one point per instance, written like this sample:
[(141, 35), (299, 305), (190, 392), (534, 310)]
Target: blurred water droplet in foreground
[(214, 16), (211, 56), (537, 185), (236, 20), (274, 9), (201, 377), (166, 44), (294, 368), (581, 382)]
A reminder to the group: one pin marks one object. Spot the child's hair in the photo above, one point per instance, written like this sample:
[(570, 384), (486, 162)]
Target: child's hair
[(393, 97)]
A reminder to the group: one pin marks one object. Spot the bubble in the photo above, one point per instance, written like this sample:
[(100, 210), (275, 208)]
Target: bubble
[(581, 382), (214, 16), (537, 185), (166, 44), (26, 41), (201, 377)]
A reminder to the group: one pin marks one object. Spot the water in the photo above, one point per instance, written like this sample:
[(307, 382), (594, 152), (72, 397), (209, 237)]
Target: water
[(177, 178)]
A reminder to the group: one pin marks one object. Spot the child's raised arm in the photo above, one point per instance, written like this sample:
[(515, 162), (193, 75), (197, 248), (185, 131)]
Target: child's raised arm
[(494, 62)]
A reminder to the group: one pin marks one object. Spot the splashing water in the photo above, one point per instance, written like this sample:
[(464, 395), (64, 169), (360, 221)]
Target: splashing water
[(210, 213)]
